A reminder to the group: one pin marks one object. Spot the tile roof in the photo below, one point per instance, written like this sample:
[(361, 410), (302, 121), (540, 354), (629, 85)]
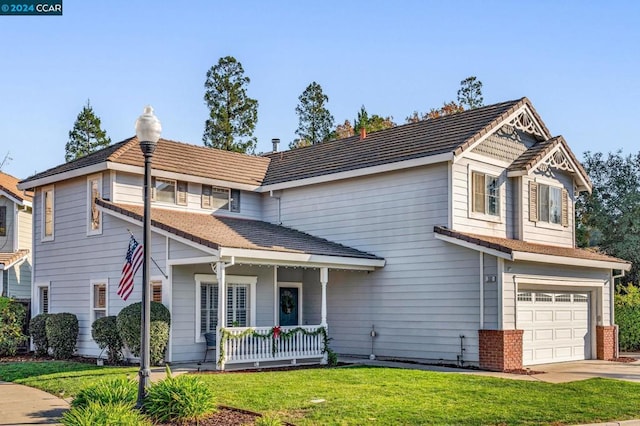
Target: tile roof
[(531, 157), (508, 246), (175, 157), (10, 258), (219, 231), (9, 184), (449, 134)]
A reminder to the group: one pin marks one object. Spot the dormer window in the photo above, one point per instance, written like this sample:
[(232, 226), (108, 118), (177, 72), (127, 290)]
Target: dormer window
[(485, 194), (549, 204)]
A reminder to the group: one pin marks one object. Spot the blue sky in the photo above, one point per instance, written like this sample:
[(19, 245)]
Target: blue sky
[(577, 61)]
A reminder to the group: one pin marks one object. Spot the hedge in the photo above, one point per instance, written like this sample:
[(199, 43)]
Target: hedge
[(128, 322), (627, 312), (105, 333), (12, 315), (62, 334)]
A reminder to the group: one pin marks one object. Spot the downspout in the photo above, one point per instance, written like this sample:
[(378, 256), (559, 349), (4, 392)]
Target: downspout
[(612, 307), (500, 294), (278, 198), (481, 291)]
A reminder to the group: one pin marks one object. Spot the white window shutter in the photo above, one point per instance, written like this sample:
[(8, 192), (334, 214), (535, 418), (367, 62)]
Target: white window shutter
[(181, 193), (206, 201), (565, 208), (153, 189), (533, 201)]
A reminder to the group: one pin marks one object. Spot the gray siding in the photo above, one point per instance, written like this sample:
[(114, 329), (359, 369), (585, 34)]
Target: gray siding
[(128, 190), (418, 304), (490, 293), (178, 250), (545, 233), (7, 241)]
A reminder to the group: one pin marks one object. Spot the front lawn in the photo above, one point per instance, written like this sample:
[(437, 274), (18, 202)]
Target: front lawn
[(362, 395)]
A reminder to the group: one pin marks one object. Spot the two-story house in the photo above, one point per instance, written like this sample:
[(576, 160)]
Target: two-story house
[(449, 240), (15, 239)]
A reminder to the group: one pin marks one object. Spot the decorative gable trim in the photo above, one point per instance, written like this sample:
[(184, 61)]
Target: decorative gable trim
[(526, 123)]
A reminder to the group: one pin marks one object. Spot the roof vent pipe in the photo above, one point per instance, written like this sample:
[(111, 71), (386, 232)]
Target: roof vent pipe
[(275, 142), (363, 133)]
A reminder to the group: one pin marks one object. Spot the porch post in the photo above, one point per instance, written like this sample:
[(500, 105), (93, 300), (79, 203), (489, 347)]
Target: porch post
[(324, 278), (222, 306)]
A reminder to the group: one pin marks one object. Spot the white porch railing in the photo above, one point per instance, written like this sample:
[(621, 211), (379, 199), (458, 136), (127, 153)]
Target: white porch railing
[(264, 344)]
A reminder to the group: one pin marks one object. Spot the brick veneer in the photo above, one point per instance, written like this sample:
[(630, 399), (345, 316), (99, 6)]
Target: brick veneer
[(500, 350), (606, 343)]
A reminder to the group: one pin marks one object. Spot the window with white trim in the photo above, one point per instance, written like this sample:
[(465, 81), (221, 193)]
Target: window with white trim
[(164, 190), (218, 198), (47, 213), (485, 194), (156, 291), (240, 299), (3, 221), (43, 299), (548, 203), (94, 216), (98, 299)]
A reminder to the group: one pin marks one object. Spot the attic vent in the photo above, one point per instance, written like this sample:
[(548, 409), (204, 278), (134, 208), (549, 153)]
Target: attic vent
[(525, 123)]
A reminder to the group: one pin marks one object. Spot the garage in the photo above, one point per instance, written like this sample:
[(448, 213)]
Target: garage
[(556, 326)]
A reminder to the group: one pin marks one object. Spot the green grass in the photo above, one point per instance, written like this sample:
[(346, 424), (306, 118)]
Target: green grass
[(361, 395), (60, 377)]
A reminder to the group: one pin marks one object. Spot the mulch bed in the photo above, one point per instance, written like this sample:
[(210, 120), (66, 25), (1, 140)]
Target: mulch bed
[(623, 359), (224, 416)]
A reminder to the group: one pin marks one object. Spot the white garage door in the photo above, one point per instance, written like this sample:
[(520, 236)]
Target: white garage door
[(556, 326)]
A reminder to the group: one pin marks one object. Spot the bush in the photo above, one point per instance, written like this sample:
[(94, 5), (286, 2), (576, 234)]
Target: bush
[(12, 315), (128, 322), (38, 332), (179, 399), (159, 340), (109, 391), (105, 332), (62, 333), (96, 414), (627, 311)]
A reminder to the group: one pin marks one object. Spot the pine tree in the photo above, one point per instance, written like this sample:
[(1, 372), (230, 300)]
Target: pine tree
[(470, 93), (314, 119), (86, 136), (233, 114)]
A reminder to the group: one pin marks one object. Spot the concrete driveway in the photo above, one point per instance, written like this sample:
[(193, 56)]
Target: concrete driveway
[(580, 370)]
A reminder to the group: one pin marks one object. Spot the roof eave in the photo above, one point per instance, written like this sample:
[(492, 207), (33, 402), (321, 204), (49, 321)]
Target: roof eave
[(267, 257), (563, 260), (47, 180)]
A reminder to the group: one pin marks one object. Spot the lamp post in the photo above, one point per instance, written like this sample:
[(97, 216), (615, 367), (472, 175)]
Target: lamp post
[(148, 130)]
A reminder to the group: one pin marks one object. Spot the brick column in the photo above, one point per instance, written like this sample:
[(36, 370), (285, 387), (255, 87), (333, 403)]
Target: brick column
[(500, 350), (606, 343)]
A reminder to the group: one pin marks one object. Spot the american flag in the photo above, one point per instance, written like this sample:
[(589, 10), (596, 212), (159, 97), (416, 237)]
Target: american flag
[(131, 265)]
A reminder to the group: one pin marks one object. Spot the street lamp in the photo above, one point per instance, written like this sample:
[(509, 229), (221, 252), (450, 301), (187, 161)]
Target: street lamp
[(148, 130)]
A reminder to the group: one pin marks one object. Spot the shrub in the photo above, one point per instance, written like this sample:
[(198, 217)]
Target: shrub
[(159, 339), (128, 322), (179, 399), (108, 391), (38, 332), (96, 414), (62, 333), (12, 315), (627, 309), (105, 332)]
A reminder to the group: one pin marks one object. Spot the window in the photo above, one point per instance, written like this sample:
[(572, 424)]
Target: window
[(3, 221), (240, 299), (548, 204), (156, 291), (485, 194), (218, 198), (164, 190), (43, 300), (98, 299), (48, 213), (94, 187), (524, 296)]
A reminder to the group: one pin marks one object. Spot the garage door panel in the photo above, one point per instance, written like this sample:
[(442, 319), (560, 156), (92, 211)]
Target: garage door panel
[(555, 325), (545, 315)]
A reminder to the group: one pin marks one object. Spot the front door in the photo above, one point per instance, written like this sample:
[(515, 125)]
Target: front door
[(289, 298)]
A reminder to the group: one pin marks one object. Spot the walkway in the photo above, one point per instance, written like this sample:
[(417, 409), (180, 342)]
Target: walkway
[(22, 405)]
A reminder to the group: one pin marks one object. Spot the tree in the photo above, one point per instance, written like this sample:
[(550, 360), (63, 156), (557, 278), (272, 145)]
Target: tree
[(470, 93), (232, 113), (609, 217), (314, 119), (448, 108), (343, 130), (86, 136), (373, 123)]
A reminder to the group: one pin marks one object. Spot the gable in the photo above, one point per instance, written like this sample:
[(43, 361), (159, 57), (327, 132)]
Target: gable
[(505, 144)]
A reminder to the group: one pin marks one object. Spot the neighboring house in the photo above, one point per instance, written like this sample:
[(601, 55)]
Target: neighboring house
[(449, 240), (15, 240)]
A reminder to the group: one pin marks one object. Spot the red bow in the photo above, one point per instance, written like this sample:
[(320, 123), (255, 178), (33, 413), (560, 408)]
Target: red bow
[(276, 331)]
